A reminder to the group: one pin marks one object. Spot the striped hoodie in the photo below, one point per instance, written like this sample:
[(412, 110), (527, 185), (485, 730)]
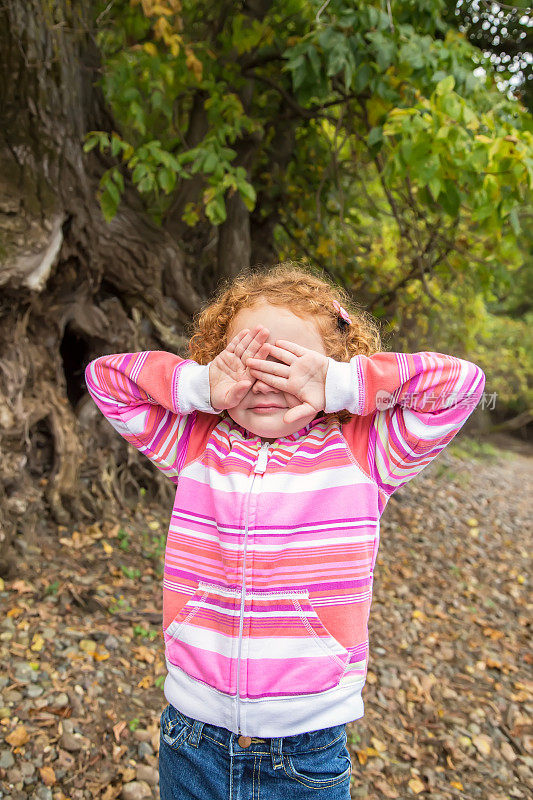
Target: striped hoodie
[(271, 548)]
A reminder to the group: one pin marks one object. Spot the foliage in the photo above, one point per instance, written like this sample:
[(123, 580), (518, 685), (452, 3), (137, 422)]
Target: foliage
[(367, 132)]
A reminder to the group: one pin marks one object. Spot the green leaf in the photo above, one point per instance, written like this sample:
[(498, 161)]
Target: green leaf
[(515, 221), (435, 186), (116, 175), (384, 49), (216, 210), (91, 143), (445, 86), (211, 161), (375, 135), (166, 179), (450, 199), (314, 60), (146, 184), (116, 145), (452, 106), (112, 189), (139, 172), (248, 194), (362, 77), (108, 206)]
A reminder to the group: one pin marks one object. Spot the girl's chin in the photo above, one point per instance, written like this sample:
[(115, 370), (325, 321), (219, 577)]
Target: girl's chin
[(266, 425)]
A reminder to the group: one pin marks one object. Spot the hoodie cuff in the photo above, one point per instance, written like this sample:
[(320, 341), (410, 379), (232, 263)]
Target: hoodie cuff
[(192, 392), (342, 389)]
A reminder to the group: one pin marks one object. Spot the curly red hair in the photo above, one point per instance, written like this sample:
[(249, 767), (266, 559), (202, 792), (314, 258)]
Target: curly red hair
[(294, 286)]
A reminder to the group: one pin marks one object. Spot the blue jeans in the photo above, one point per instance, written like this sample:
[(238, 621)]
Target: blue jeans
[(198, 761)]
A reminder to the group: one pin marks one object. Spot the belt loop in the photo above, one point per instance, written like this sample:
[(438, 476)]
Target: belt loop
[(275, 752), (194, 736)]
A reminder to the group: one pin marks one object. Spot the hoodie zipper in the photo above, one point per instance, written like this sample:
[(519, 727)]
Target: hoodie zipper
[(259, 469)]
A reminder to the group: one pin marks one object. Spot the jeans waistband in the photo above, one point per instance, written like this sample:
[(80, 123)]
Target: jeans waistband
[(276, 746)]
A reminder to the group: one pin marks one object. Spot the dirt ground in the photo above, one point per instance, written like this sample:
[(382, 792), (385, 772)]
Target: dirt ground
[(448, 699)]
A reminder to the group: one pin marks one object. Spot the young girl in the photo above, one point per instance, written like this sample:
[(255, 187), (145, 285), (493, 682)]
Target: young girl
[(285, 433)]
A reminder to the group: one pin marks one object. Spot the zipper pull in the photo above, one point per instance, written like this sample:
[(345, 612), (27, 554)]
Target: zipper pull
[(261, 463)]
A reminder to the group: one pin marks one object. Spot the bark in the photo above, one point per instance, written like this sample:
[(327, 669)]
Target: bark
[(73, 287)]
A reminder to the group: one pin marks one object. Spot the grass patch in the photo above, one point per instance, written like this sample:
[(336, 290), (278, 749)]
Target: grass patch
[(153, 547), (469, 448), (123, 539), (144, 633)]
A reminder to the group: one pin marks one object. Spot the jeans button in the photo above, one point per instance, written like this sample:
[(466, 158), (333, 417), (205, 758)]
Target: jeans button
[(244, 741)]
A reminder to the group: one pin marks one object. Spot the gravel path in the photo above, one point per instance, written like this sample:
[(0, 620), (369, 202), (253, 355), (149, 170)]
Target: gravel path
[(449, 694)]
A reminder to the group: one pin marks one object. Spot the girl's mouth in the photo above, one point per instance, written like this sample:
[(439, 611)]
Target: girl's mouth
[(265, 409)]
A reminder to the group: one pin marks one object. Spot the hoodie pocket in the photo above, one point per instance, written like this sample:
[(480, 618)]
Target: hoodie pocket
[(201, 639), (289, 650)]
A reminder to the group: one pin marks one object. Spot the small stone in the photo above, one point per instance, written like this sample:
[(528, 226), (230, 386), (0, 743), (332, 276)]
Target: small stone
[(6, 759), (64, 760), (61, 700), (24, 673), (110, 642), (142, 735), (524, 772), (43, 793), (27, 769), (34, 690), (12, 696), (144, 750), (14, 775), (70, 742), (148, 774), (507, 752), (136, 790)]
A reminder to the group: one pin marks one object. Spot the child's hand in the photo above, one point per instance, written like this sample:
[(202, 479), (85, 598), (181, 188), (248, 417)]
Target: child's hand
[(229, 376), (303, 374)]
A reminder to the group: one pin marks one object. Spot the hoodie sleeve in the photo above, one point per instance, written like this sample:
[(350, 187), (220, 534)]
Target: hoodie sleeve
[(149, 397), (413, 404)]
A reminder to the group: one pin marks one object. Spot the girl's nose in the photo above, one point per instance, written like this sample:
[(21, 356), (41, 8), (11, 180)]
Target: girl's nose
[(263, 388)]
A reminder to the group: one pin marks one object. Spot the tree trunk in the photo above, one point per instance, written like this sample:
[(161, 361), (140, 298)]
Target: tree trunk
[(73, 286)]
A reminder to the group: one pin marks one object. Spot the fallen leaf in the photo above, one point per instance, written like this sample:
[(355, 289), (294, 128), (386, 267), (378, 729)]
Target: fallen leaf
[(386, 789), (416, 785), (118, 728), (507, 752), (37, 643), (18, 737), (101, 654), (21, 587), (48, 775), (482, 743), (380, 747), (128, 774)]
